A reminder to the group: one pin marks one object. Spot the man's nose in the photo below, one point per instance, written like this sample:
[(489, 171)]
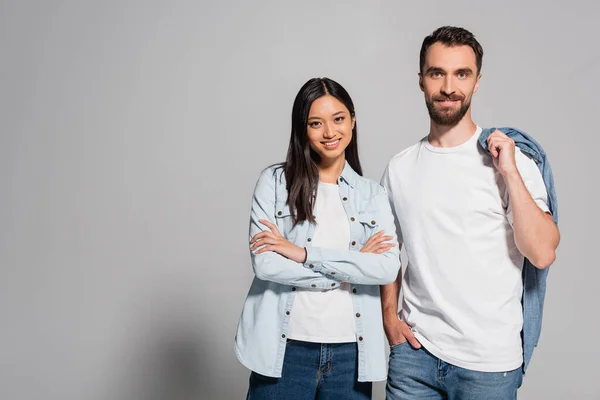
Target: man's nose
[(448, 86)]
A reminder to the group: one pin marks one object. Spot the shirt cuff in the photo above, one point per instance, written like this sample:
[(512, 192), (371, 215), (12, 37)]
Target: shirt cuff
[(314, 259), (314, 262)]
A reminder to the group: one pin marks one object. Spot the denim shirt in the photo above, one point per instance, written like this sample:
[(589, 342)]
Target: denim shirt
[(534, 279), (260, 341)]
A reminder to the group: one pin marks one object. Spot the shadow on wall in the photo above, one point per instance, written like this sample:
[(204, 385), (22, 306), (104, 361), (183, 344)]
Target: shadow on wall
[(178, 370), (168, 358)]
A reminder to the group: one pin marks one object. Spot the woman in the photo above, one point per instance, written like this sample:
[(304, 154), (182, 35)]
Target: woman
[(322, 238)]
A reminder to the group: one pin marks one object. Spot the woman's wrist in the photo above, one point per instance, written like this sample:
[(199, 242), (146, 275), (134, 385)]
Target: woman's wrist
[(304, 257)]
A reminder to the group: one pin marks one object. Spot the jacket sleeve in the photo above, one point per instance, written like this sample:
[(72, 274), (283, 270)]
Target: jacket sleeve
[(271, 266), (361, 268)]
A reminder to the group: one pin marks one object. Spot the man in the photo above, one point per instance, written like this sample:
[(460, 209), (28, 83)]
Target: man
[(469, 218)]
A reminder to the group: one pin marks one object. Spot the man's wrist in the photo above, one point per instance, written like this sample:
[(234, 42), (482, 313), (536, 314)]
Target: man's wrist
[(512, 173), (390, 316)]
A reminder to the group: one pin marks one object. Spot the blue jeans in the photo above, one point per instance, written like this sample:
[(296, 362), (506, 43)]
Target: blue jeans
[(418, 374), (313, 371)]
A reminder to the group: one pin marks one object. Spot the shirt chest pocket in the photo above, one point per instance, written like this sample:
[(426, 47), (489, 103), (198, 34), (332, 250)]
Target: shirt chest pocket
[(284, 220), (368, 222)]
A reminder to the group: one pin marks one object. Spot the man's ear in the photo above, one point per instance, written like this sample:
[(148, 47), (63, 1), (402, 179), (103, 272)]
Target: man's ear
[(477, 83)]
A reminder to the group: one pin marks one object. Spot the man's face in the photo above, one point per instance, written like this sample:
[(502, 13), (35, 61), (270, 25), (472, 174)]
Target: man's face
[(449, 79)]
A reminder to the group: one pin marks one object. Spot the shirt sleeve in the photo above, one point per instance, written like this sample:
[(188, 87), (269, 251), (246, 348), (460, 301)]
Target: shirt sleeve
[(357, 267), (271, 266), (532, 177), (386, 183)]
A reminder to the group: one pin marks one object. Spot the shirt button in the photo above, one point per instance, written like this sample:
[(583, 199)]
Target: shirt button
[(357, 315), (279, 213), (345, 198), (308, 240), (333, 284), (333, 273), (311, 266), (313, 285), (294, 289), (287, 313), (352, 219), (353, 243), (373, 222), (353, 290), (360, 338), (283, 336)]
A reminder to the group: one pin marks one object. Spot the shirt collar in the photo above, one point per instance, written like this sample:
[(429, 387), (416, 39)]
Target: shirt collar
[(349, 176)]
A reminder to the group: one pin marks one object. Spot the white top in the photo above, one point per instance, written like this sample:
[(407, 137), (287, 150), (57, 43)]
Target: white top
[(462, 285), (318, 315)]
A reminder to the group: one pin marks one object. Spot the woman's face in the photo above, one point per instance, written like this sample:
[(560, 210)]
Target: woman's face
[(329, 128)]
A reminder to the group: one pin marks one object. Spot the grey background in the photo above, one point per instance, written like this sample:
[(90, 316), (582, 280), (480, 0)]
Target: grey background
[(132, 134)]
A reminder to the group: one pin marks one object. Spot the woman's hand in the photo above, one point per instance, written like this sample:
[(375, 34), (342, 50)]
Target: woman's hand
[(376, 244), (274, 241)]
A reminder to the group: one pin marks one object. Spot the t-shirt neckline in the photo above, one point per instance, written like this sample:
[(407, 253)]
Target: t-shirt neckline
[(453, 149)]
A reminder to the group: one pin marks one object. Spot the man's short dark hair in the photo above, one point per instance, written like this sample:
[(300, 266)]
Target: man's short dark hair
[(452, 36)]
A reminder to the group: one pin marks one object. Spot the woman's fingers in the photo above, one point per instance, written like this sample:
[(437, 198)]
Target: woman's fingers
[(383, 248), (365, 249), (376, 244), (266, 248), (261, 235), (377, 240), (383, 239), (258, 244), (271, 226), (372, 239), (264, 240), (267, 242)]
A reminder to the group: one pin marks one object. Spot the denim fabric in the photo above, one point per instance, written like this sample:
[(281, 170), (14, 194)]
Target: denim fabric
[(262, 328), (534, 279), (313, 371), (416, 374)]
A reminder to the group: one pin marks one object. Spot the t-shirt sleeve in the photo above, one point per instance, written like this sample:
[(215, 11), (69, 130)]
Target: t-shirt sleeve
[(385, 182), (532, 177)]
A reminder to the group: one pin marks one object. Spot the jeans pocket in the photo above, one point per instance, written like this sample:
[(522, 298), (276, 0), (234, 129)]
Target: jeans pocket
[(394, 346)]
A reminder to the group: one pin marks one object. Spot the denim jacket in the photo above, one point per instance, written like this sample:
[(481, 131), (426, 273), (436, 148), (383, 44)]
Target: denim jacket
[(534, 279), (260, 341)]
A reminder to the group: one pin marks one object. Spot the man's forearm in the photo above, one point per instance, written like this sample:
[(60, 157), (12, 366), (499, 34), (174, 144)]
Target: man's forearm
[(536, 234), (389, 297)]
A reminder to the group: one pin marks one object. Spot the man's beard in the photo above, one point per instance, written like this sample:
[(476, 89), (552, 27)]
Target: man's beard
[(448, 117)]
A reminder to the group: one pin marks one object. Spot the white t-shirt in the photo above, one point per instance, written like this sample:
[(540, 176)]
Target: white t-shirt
[(462, 285), (326, 316)]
